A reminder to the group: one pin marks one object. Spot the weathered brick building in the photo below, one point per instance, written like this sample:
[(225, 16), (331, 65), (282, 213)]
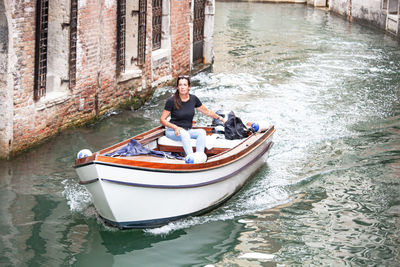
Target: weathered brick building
[(63, 62)]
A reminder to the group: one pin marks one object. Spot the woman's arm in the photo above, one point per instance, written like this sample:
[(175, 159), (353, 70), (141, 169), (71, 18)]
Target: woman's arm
[(203, 109), (164, 116)]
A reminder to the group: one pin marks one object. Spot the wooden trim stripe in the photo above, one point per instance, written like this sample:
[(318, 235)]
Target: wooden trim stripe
[(88, 182), (180, 167), (218, 180), (98, 158)]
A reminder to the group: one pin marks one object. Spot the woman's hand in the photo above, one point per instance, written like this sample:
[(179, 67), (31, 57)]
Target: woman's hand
[(210, 113), (165, 114), (177, 130)]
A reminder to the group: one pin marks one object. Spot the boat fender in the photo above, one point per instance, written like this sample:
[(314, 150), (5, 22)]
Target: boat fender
[(84, 153), (197, 157), (259, 126)]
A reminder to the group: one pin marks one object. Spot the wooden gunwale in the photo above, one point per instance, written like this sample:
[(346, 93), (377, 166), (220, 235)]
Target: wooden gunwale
[(225, 177), (171, 167), (218, 180)]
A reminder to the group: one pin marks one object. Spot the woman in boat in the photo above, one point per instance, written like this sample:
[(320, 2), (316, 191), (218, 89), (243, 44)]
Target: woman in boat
[(182, 107)]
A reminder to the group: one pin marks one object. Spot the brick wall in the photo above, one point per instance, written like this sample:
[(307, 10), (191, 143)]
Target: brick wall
[(161, 70), (5, 96), (96, 56), (23, 32), (180, 36), (97, 86)]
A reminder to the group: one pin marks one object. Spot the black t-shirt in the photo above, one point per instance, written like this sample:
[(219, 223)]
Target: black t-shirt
[(183, 117)]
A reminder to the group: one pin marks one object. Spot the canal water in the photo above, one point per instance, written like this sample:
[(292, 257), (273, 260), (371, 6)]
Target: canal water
[(328, 195)]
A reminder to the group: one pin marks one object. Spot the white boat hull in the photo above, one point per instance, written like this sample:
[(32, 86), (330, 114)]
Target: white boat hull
[(133, 197)]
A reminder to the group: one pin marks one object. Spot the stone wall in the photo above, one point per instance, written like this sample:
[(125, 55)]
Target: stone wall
[(5, 94), (318, 3), (21, 58), (341, 7), (383, 14), (370, 11)]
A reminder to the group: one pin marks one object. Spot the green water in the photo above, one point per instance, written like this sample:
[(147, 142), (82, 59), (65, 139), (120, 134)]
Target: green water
[(328, 195)]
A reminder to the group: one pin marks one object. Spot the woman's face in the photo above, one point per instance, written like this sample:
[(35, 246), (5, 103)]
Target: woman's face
[(183, 87)]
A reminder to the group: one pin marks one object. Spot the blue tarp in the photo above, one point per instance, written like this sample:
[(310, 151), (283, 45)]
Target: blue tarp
[(134, 148)]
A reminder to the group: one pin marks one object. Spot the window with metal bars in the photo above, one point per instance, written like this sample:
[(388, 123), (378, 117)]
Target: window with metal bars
[(121, 33), (73, 33), (384, 4), (131, 32), (198, 30), (157, 21), (142, 32), (393, 6), (42, 18)]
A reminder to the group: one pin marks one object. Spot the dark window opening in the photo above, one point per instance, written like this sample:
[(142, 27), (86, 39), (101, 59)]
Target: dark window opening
[(384, 4), (121, 34), (42, 18), (393, 7), (157, 21), (73, 33), (142, 32), (198, 30)]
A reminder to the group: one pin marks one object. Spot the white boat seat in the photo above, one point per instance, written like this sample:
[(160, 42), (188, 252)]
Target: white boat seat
[(211, 142)]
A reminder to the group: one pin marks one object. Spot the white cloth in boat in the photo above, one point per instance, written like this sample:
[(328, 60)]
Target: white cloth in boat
[(211, 142)]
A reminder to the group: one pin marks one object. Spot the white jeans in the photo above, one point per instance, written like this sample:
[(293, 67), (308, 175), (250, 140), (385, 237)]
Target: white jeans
[(186, 135)]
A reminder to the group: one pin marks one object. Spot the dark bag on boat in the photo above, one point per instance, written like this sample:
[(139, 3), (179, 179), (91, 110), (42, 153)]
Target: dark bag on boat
[(217, 122), (235, 128), (218, 126)]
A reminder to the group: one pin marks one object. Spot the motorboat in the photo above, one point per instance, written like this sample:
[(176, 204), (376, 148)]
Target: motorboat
[(147, 190)]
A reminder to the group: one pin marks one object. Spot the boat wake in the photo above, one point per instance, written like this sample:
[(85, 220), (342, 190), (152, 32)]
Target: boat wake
[(258, 196), (78, 198), (225, 213)]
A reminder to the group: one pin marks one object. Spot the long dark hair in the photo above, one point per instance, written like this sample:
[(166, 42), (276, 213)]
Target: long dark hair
[(177, 99)]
